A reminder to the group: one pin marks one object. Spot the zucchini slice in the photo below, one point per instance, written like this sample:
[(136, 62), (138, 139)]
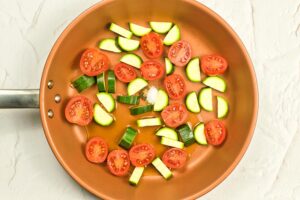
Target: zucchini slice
[(199, 134), (169, 66), (120, 30), (162, 168), (171, 143), (111, 81), (168, 133), (83, 82), (156, 121), (109, 45), (136, 85), (205, 99), (101, 117), (162, 101), (215, 82), (161, 27), (131, 100), (192, 103), (128, 138), (101, 82), (138, 30), (193, 70), (132, 59), (107, 101), (222, 107), (173, 36), (128, 44), (186, 134), (140, 109), (136, 175)]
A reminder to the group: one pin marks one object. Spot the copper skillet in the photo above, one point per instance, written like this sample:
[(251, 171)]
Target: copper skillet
[(208, 33)]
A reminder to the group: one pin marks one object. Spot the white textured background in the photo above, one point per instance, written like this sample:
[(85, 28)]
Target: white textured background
[(270, 30)]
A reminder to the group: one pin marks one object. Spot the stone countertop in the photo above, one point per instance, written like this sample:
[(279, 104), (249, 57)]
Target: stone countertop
[(270, 29)]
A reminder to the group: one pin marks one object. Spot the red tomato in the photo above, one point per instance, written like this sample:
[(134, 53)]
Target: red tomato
[(152, 70), (174, 158), (180, 53), (124, 72), (118, 162), (174, 114), (93, 62), (79, 110), (175, 86), (141, 155), (96, 150), (152, 45), (215, 132), (213, 65)]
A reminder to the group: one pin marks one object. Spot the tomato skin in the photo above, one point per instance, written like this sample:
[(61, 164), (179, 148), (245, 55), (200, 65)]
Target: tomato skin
[(175, 86), (213, 64), (118, 162), (124, 72), (215, 132), (180, 53), (79, 110), (152, 45), (93, 62), (96, 150), (141, 155), (152, 70), (174, 114), (174, 158)]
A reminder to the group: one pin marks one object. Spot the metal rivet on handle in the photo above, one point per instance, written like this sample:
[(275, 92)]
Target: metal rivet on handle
[(57, 98), (50, 113), (50, 84)]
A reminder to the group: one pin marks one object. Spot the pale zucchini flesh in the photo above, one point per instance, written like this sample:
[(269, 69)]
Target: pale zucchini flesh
[(101, 117), (132, 60), (199, 134), (136, 175), (136, 85), (215, 82), (161, 27), (107, 100), (109, 45), (138, 30), (168, 133), (205, 99), (193, 70), (192, 102), (120, 30), (156, 121), (162, 168), (222, 105), (171, 143), (162, 100), (172, 36)]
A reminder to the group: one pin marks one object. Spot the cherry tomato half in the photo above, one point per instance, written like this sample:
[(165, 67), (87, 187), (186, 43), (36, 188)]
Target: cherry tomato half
[(118, 162), (93, 62), (152, 70), (175, 86), (174, 158), (213, 65), (180, 53), (141, 155), (174, 114), (124, 72), (152, 45), (96, 150), (215, 132)]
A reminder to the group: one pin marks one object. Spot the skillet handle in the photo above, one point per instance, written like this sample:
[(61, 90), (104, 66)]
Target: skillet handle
[(19, 99)]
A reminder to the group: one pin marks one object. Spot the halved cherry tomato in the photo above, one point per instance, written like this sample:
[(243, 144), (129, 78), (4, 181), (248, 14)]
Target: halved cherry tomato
[(141, 155), (124, 72), (152, 45), (152, 70), (118, 162), (180, 53), (175, 86), (174, 114), (213, 65), (96, 150), (215, 132), (79, 110), (174, 158), (93, 62)]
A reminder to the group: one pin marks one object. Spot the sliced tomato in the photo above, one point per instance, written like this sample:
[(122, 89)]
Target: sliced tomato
[(93, 62), (180, 53), (152, 45), (215, 132), (96, 150), (152, 70), (124, 72), (175, 158), (213, 65), (118, 162), (175, 86), (141, 155), (79, 110), (174, 114)]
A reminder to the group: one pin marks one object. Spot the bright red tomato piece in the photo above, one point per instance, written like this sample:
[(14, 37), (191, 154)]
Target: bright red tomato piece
[(175, 158), (175, 86), (152, 45), (118, 162), (213, 65), (180, 53), (215, 132), (141, 155), (96, 150), (124, 72), (93, 62), (79, 110), (174, 114), (152, 70)]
